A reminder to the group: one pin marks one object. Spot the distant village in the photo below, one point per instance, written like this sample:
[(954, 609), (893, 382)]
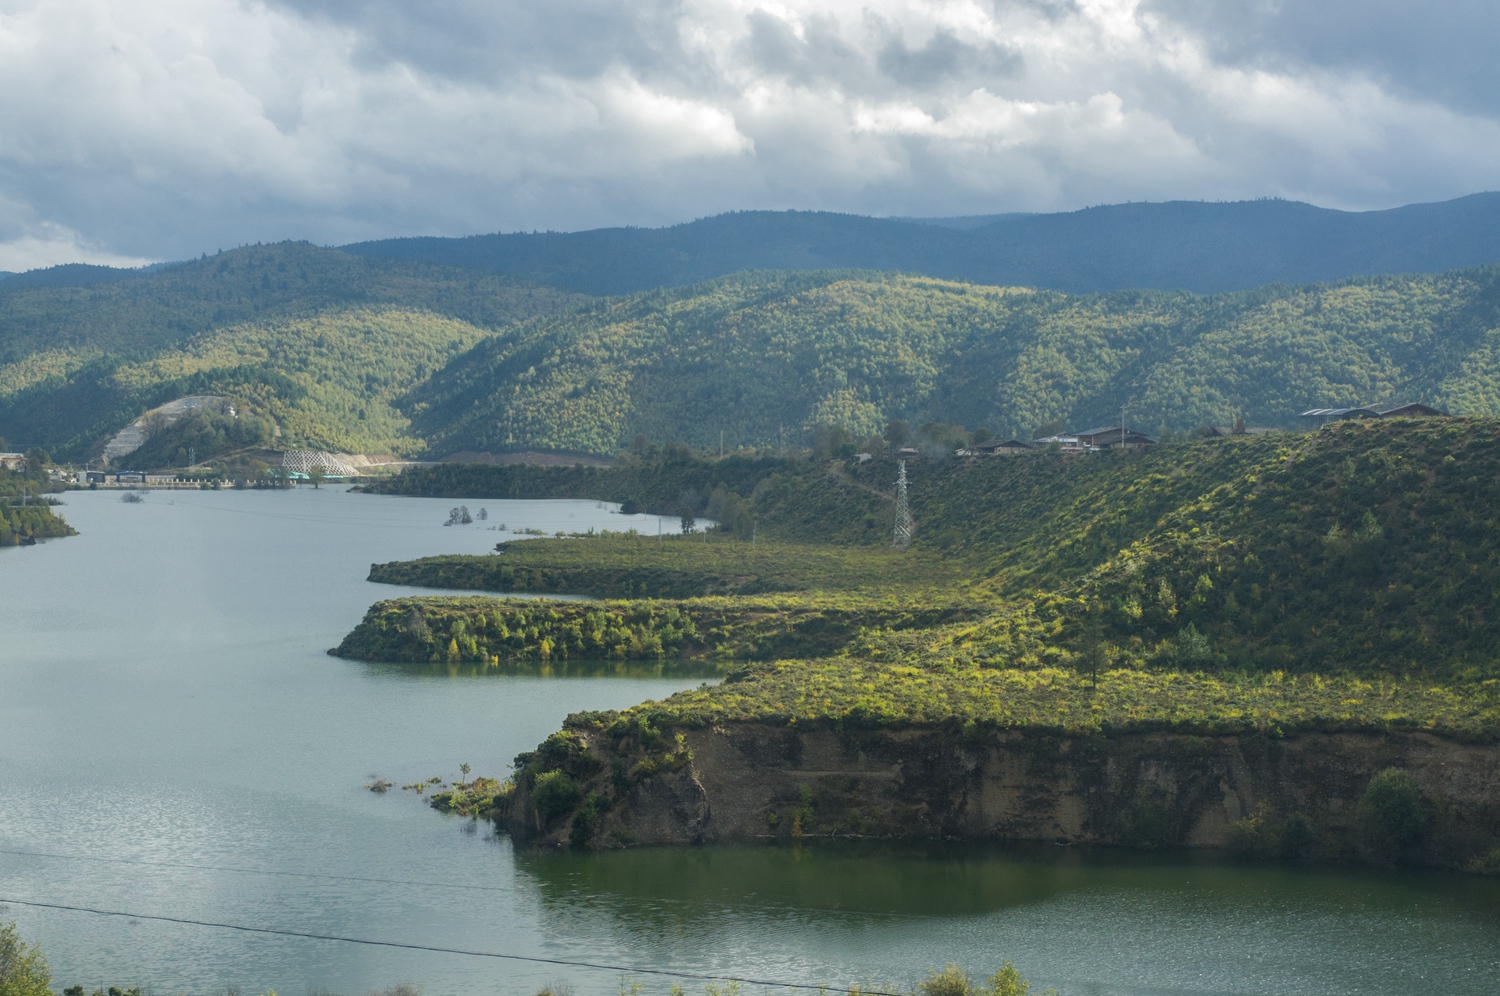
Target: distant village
[(1115, 437), (300, 464)]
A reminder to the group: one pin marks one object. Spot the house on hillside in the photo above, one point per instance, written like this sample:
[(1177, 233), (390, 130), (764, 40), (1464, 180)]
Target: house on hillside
[(1066, 441), (13, 461), (1114, 437), (1407, 409), (994, 447)]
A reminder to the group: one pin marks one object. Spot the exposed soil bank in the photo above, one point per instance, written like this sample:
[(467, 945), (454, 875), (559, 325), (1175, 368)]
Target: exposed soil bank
[(1297, 795)]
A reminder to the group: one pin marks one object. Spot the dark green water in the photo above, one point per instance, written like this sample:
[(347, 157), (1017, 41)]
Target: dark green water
[(174, 741)]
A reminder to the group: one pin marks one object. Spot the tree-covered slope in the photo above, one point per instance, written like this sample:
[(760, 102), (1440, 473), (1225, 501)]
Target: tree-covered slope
[(1179, 245), (328, 381), (348, 353), (77, 362), (767, 356), (1371, 548)]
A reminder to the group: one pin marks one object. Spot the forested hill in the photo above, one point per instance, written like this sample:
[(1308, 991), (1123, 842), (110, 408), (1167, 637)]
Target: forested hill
[(318, 340), (344, 353), (1179, 245), (757, 355)]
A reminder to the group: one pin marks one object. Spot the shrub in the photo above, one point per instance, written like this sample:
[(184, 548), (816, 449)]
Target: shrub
[(1257, 835), (586, 820), (23, 967), (554, 794), (1393, 813), (953, 981)]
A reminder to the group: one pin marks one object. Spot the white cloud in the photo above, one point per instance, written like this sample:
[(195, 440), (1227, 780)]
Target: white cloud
[(160, 129), (52, 244)]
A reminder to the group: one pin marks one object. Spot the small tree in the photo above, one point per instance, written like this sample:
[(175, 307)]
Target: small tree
[(897, 433), (464, 770), (315, 473), (687, 507), (23, 967), (1393, 813)]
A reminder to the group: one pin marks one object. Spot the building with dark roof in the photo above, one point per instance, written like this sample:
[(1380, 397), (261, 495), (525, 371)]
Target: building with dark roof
[(1407, 409), (1113, 437), (991, 447)]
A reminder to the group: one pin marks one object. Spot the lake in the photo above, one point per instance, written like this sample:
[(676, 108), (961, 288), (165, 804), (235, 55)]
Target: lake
[(174, 741)]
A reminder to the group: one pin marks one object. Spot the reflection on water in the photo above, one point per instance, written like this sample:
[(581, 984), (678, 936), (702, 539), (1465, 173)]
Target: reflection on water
[(174, 740), (1086, 920)]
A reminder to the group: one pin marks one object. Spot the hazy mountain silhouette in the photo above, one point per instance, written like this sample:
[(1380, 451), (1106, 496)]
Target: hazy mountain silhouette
[(1179, 245)]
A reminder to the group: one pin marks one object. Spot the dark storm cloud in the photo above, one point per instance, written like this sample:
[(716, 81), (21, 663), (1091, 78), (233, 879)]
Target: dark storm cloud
[(1438, 51), (159, 128)]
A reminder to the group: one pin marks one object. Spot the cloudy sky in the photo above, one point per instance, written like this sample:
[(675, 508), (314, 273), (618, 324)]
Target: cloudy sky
[(136, 130)]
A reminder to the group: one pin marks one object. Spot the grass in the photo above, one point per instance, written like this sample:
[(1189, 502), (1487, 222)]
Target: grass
[(852, 693), (495, 632), (1344, 579), (629, 566)]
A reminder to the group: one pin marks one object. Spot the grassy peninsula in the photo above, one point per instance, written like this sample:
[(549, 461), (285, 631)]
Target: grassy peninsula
[(1363, 552), (1336, 583)]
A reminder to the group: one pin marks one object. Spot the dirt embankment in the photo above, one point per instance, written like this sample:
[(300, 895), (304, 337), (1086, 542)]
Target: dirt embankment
[(1294, 796)]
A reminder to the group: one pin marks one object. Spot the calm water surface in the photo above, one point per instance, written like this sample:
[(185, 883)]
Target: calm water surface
[(174, 741)]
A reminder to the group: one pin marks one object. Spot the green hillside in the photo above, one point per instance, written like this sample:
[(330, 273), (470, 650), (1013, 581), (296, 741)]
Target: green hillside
[(348, 353), (328, 381), (756, 354), (1337, 581), (1364, 548), (309, 336)]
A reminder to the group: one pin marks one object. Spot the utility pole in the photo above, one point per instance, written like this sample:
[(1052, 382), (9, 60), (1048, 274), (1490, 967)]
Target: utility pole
[(903, 512), (721, 444), (781, 440), (192, 457)]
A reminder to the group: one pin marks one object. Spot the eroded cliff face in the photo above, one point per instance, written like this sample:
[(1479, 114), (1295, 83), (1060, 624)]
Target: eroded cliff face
[(1252, 792)]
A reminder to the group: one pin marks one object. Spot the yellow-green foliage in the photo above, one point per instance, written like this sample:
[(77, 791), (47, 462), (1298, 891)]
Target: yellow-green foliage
[(472, 798), (329, 381), (492, 631), (23, 967), (22, 524), (753, 353), (629, 566), (60, 347), (35, 520), (854, 693)]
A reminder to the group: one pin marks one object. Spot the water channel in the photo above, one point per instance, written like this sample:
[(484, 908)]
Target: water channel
[(175, 742)]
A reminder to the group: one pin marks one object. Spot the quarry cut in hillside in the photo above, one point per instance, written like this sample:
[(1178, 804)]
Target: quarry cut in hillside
[(1297, 796)]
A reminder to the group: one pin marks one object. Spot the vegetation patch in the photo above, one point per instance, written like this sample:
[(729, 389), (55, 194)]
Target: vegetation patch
[(494, 632), (846, 693), (630, 566)]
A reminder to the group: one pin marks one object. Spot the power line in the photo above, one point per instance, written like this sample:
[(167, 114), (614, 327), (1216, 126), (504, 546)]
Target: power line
[(325, 876), (408, 946), (257, 871)]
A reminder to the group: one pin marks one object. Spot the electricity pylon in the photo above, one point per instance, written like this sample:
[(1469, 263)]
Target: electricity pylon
[(903, 511)]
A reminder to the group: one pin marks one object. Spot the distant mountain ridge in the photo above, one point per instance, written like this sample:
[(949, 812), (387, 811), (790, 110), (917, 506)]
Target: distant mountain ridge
[(1178, 245), (1197, 246)]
